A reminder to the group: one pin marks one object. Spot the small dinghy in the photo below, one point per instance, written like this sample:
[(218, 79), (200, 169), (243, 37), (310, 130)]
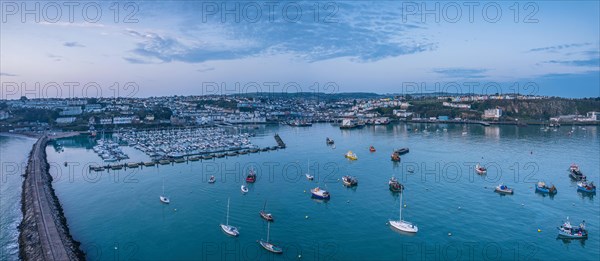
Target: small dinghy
[(319, 193), (372, 149), (244, 189), (329, 141), (480, 169), (567, 231), (503, 189), (349, 181), (212, 179), (395, 157), (541, 187), (584, 186)]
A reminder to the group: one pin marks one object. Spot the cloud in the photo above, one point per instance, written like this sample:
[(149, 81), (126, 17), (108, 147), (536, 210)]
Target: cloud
[(7, 74), (558, 47), (359, 31), (462, 73), (56, 58), (136, 60), (73, 44), (206, 69), (588, 62)]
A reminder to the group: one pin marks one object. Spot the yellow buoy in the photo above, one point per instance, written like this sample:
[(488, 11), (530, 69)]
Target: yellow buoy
[(539, 230)]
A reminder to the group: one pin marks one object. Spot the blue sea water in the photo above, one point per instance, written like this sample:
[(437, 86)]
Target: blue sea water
[(14, 151), (117, 214)]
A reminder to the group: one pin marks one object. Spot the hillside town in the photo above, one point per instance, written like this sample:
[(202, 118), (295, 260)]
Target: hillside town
[(82, 114)]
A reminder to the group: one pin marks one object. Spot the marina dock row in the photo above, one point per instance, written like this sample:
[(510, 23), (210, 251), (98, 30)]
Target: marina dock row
[(187, 158)]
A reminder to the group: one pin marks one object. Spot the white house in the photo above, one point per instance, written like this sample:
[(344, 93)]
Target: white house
[(492, 114)]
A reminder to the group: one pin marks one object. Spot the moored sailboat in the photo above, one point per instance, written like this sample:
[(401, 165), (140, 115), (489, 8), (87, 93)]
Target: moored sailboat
[(403, 225), (266, 216), (269, 246), (163, 198), (228, 229)]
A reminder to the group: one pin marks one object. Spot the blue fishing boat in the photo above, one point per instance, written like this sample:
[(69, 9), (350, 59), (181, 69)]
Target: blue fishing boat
[(584, 186), (541, 187), (567, 231), (319, 193), (503, 189)]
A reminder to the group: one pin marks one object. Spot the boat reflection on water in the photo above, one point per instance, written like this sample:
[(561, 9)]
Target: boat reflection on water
[(408, 234), (543, 195), (567, 241), (585, 195)]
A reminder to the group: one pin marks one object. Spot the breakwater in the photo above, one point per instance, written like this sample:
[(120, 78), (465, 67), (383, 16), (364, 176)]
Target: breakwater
[(43, 232)]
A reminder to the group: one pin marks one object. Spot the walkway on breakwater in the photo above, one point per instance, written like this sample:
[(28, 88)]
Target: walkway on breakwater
[(44, 234)]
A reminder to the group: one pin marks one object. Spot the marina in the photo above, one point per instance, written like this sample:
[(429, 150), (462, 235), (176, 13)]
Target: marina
[(109, 150), (199, 191)]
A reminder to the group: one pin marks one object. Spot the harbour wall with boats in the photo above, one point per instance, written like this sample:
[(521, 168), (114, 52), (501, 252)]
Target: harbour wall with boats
[(43, 232)]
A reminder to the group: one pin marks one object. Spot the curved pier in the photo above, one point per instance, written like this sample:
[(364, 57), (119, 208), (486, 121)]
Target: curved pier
[(43, 232)]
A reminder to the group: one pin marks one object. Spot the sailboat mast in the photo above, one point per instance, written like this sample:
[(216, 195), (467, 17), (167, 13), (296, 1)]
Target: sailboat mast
[(401, 205), (227, 219), (268, 231)]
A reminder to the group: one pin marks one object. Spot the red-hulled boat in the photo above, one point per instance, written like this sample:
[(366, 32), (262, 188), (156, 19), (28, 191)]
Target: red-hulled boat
[(251, 178)]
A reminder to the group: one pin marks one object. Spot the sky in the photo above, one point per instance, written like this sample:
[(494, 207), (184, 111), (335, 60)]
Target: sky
[(142, 49)]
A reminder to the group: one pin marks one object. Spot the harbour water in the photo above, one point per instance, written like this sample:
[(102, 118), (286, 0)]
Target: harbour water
[(117, 214), (14, 151)]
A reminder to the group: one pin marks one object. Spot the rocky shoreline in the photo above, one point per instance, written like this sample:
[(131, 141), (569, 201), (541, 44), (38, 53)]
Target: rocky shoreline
[(43, 232)]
